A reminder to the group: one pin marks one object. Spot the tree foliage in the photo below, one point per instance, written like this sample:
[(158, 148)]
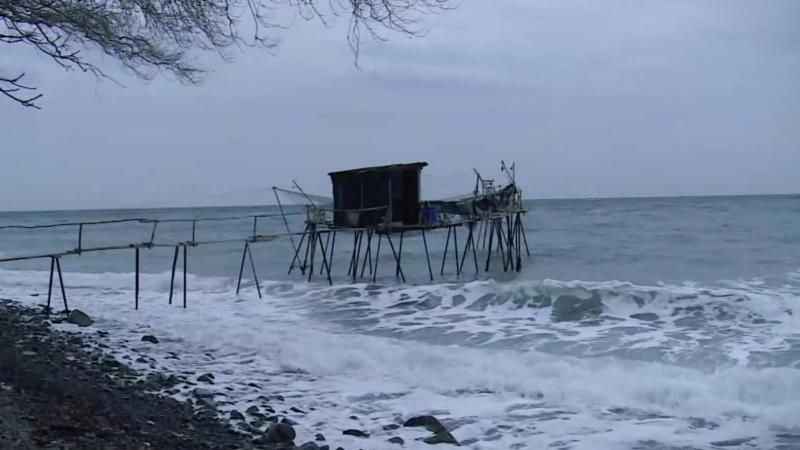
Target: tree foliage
[(149, 37)]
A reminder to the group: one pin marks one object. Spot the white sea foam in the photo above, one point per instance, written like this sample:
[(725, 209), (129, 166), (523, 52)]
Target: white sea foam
[(492, 397)]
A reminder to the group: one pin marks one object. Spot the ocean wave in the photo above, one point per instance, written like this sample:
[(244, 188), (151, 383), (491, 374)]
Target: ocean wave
[(492, 393)]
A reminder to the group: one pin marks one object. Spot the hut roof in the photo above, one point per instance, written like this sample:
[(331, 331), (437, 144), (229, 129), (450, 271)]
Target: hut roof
[(386, 168)]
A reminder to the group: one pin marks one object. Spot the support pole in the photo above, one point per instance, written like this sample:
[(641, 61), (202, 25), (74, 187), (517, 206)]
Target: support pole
[(466, 247), (500, 248), (325, 259), (446, 246), (313, 246), (367, 254), (241, 267), (325, 249), (486, 230), (172, 278), (396, 259), (255, 274), (377, 259), (297, 250), (510, 246), (61, 283), (185, 259), (80, 238), (455, 249), (399, 254), (309, 243), (525, 238), (357, 253), (353, 261), (519, 243), (427, 254), (474, 251), (489, 253), (50, 287), (333, 246), (136, 289)]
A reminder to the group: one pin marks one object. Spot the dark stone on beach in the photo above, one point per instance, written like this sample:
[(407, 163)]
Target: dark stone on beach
[(309, 446), (279, 433), (431, 423), (396, 440), (288, 421), (236, 415), (150, 338), (732, 442), (647, 317), (570, 308), (253, 410), (319, 437), (206, 378), (391, 426), (297, 410), (442, 437), (356, 433), (79, 318), (203, 393)]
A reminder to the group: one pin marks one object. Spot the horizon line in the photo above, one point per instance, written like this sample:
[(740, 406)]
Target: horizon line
[(530, 199)]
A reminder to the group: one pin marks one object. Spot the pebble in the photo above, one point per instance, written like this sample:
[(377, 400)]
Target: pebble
[(150, 338), (79, 318), (206, 378), (356, 433), (280, 433), (396, 440)]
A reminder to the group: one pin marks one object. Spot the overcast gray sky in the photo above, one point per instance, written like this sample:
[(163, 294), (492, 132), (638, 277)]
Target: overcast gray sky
[(591, 98)]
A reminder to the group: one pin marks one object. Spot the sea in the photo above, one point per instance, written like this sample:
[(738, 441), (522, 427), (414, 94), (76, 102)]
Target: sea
[(642, 323)]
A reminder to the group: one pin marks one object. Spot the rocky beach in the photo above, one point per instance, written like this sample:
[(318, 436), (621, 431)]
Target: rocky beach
[(62, 391)]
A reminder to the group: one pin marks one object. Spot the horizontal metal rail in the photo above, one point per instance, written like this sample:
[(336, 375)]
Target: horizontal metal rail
[(144, 221)]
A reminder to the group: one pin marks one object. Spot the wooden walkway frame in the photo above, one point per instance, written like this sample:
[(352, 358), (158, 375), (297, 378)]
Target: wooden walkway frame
[(507, 228)]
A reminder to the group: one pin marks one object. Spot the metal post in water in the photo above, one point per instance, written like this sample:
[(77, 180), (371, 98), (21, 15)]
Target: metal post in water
[(427, 254), (61, 282), (455, 249), (255, 274), (241, 267), (136, 289), (297, 249), (489, 253), (466, 247), (377, 258), (446, 246), (396, 258), (399, 254), (185, 258), (474, 251), (325, 260), (525, 236), (313, 249), (367, 254), (80, 237), (50, 288), (172, 278)]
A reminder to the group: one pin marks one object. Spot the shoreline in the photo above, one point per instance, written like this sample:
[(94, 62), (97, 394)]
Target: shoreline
[(59, 392)]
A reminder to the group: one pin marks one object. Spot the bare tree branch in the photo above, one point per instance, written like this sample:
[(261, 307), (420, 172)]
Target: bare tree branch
[(154, 36), (11, 86)]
